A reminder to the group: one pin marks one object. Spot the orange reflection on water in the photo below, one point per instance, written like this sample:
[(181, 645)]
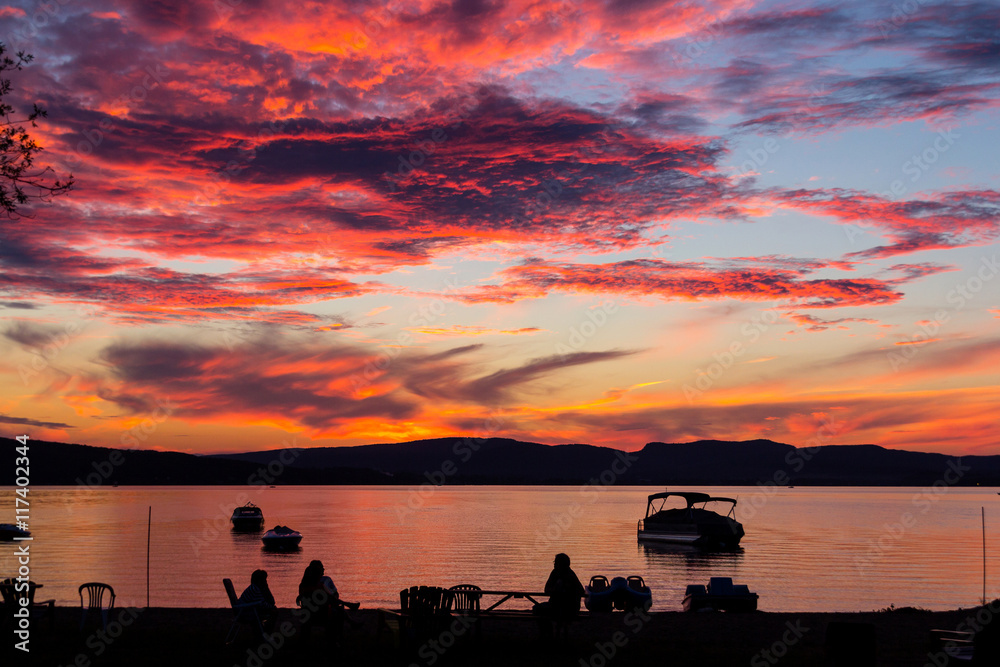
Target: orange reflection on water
[(806, 549)]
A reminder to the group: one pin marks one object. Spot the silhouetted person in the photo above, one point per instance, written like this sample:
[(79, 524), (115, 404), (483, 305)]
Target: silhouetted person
[(319, 596), (565, 591), (258, 593)]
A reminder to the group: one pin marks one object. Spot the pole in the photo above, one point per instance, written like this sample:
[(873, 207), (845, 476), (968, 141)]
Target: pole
[(149, 532), (983, 511)]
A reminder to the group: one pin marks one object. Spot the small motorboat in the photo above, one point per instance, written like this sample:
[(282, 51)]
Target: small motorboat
[(620, 593), (720, 595), (247, 518), (281, 538), (10, 531), (693, 525)]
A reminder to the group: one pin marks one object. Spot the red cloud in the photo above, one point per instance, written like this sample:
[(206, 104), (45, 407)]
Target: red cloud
[(690, 281), (947, 220), (134, 292)]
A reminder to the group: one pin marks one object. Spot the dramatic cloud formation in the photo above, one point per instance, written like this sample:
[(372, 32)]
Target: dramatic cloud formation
[(328, 389), (359, 221)]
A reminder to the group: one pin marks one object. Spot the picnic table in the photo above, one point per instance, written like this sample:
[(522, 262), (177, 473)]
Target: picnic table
[(510, 595), (426, 610)]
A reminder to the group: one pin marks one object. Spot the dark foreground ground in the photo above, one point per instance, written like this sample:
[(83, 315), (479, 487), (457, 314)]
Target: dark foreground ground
[(193, 637)]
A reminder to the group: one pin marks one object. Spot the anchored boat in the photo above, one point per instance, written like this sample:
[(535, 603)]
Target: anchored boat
[(692, 524), (248, 518), (281, 538)]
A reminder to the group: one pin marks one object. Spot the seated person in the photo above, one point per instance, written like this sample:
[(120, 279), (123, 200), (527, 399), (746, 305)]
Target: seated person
[(564, 590), (258, 594), (318, 594)]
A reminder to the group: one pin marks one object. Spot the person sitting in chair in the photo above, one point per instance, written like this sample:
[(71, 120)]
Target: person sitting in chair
[(319, 596), (258, 593), (564, 590)]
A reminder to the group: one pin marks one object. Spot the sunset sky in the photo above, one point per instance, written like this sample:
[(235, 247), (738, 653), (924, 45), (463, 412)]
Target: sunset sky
[(602, 222)]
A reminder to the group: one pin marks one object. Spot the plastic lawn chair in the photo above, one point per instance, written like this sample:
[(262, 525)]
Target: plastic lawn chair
[(95, 602)]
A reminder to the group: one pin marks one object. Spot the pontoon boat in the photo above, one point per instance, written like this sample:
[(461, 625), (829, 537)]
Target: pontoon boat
[(693, 524)]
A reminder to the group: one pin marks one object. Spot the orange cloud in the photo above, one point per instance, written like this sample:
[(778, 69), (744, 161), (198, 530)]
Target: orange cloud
[(462, 330)]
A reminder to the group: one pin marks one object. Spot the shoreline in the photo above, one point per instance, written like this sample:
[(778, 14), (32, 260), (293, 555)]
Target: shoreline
[(178, 636)]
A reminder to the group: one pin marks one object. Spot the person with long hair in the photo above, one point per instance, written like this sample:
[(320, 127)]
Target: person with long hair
[(259, 595), (319, 598)]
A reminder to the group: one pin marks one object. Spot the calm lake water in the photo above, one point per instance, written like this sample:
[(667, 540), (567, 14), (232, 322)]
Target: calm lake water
[(806, 549)]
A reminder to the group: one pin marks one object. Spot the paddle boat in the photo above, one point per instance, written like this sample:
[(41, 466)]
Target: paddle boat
[(620, 593), (248, 518), (692, 524), (721, 594), (281, 538)]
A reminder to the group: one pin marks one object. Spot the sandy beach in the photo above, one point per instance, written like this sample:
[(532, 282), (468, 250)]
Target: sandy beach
[(160, 636)]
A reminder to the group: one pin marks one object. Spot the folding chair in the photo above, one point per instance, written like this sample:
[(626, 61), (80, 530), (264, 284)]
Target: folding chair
[(243, 613)]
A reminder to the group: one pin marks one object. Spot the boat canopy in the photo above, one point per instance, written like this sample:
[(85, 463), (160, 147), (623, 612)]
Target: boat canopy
[(248, 510), (692, 498)]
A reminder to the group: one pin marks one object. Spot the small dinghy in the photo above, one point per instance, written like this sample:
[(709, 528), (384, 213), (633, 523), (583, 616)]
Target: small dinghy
[(281, 538), (620, 593)]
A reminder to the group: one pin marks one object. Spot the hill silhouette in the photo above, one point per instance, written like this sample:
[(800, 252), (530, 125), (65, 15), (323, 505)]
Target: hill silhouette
[(456, 460)]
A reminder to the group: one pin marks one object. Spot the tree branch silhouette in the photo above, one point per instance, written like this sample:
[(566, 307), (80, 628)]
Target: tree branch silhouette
[(20, 181)]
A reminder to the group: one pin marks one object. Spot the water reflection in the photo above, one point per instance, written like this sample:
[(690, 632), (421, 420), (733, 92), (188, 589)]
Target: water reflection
[(674, 567), (800, 553), (244, 538), (279, 552), (281, 548), (670, 553)]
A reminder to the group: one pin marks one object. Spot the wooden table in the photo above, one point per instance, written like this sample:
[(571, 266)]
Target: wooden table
[(509, 595), (399, 621)]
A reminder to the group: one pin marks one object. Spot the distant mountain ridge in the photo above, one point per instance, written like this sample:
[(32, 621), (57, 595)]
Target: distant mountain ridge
[(457, 460)]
